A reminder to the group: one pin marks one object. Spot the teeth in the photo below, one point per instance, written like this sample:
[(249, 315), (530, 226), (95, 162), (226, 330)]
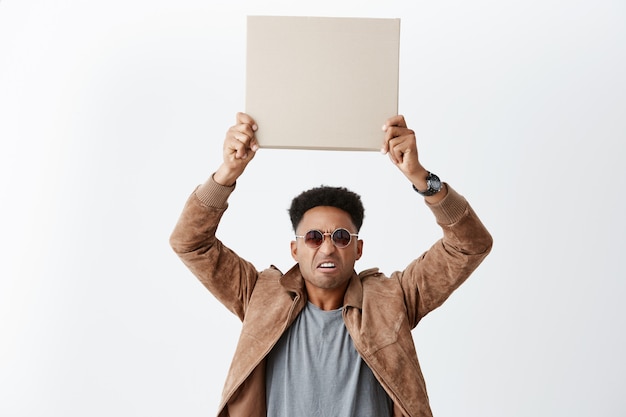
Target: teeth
[(327, 265)]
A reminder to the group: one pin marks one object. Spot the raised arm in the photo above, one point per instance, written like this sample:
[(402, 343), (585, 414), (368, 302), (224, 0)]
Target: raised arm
[(229, 277), (401, 145), (429, 280), (240, 146)]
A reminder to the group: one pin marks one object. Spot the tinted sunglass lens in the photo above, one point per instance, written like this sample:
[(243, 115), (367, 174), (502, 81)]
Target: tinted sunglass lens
[(314, 238), (341, 237)]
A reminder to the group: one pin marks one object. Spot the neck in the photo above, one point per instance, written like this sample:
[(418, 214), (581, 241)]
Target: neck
[(325, 298)]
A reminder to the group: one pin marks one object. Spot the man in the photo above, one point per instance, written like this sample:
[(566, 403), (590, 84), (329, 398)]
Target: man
[(322, 340)]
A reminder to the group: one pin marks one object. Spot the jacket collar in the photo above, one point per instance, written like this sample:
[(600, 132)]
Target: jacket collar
[(293, 282), (354, 293)]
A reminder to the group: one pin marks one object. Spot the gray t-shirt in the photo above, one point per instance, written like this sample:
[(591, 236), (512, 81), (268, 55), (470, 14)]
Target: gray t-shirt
[(315, 371)]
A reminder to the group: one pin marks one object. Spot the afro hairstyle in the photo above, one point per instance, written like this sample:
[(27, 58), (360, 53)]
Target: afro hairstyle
[(339, 197)]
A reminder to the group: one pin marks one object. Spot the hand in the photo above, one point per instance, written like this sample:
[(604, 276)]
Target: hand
[(240, 146), (401, 145)]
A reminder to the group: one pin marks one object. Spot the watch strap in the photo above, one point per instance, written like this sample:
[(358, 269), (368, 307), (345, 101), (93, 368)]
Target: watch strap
[(434, 185)]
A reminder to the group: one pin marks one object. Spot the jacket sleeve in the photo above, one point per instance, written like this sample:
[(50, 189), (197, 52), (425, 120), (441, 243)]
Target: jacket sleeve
[(227, 276), (430, 279)]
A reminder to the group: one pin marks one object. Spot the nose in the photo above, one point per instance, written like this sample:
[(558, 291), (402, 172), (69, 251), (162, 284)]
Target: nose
[(327, 244)]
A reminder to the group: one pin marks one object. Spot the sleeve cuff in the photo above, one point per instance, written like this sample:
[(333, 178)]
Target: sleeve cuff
[(450, 209), (213, 194)]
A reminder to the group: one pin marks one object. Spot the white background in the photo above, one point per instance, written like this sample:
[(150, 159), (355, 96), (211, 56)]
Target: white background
[(112, 112)]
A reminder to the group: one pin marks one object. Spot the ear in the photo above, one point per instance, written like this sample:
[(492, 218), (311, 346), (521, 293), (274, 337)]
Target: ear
[(359, 249), (294, 250)]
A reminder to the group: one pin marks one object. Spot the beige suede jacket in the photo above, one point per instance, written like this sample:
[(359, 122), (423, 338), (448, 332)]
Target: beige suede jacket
[(379, 312)]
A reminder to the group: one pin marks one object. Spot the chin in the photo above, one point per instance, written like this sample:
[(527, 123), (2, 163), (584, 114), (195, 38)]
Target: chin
[(328, 283)]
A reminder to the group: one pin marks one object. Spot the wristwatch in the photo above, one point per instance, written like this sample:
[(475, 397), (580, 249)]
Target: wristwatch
[(434, 185)]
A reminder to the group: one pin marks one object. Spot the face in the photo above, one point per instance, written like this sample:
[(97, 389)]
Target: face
[(327, 267)]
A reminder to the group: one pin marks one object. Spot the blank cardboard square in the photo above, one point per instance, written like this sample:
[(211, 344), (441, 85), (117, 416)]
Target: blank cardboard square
[(322, 82)]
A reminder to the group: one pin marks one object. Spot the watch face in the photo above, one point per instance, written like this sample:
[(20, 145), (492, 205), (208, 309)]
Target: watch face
[(434, 185), (434, 182)]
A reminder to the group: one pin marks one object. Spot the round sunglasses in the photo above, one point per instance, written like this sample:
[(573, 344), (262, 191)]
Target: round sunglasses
[(340, 238)]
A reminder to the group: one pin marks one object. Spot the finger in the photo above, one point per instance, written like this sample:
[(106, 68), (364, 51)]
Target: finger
[(390, 134), (391, 123), (396, 151), (241, 144), (244, 133), (243, 118), (401, 155), (397, 120), (385, 146), (393, 132)]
